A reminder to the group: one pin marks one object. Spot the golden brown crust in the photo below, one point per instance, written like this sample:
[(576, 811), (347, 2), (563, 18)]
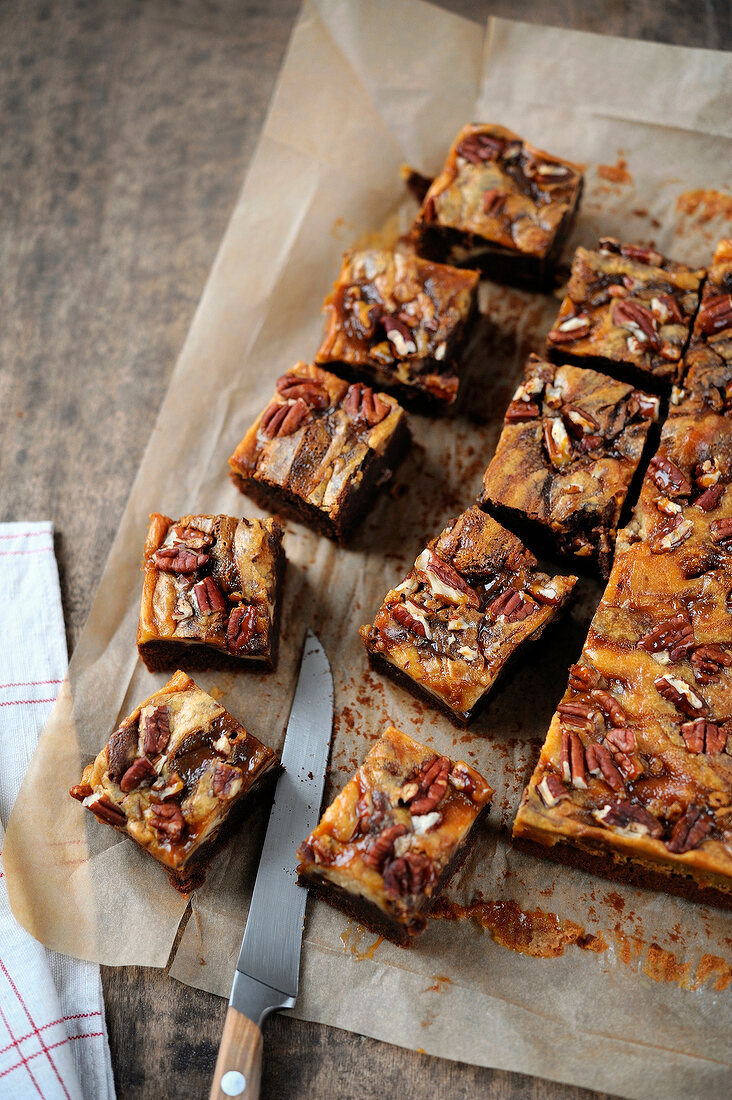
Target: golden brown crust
[(474, 596), (389, 841), (173, 774)]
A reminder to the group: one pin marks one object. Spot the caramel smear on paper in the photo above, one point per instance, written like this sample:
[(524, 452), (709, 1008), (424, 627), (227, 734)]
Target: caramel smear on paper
[(536, 932), (615, 173), (705, 204), (353, 942)]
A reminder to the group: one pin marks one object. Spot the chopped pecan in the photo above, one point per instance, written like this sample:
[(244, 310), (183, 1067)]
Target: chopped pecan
[(721, 530), (582, 677), (570, 329), (710, 498), (552, 790), (668, 477), (80, 791), (156, 731), (578, 714), (610, 707), (167, 818), (191, 537), (708, 661), (223, 779), (628, 817), (675, 635), (431, 782), (633, 315), (444, 580), (665, 309), (242, 627), (545, 173), (706, 474), (136, 774), (291, 386), (480, 147), (511, 606), (493, 200), (703, 736), (620, 739), (689, 831), (635, 252), (461, 779), (572, 760), (282, 419), (642, 404), (105, 809), (678, 692), (667, 536), (557, 442), (412, 874), (381, 847), (715, 314), (600, 762), (121, 751), (209, 596), (411, 617), (578, 421), (399, 336), (519, 411), (362, 403), (179, 559), (374, 812)]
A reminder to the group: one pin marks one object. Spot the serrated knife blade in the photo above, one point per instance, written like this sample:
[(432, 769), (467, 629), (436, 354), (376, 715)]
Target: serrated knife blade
[(267, 972)]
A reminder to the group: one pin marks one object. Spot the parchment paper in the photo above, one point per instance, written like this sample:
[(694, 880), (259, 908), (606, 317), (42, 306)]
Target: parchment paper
[(365, 87)]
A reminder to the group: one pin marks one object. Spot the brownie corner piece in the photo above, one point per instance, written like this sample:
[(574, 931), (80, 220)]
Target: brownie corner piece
[(175, 777), (321, 449), (392, 838), (571, 445), (400, 322), (474, 596), (627, 312), (501, 205), (212, 593)]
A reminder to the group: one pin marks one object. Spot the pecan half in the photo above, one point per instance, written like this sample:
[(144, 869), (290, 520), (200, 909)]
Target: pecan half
[(431, 782), (708, 661), (582, 677), (557, 442), (552, 790), (291, 386), (121, 751), (411, 617), (600, 763), (362, 403), (242, 627), (610, 707), (620, 739), (480, 147), (668, 477), (179, 559), (678, 692), (578, 714), (209, 596), (444, 580), (572, 760), (223, 779), (280, 419), (136, 774), (703, 736), (570, 329), (689, 831), (412, 874), (520, 411), (156, 731), (511, 606), (628, 817), (721, 530), (167, 818), (493, 201), (710, 498), (382, 847), (629, 314), (715, 314), (105, 810), (675, 635)]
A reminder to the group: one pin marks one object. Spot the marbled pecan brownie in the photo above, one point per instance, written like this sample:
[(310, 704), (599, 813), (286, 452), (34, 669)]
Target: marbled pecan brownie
[(474, 596), (321, 449), (571, 444), (397, 321), (628, 313), (174, 773), (386, 846), (501, 205), (212, 593)]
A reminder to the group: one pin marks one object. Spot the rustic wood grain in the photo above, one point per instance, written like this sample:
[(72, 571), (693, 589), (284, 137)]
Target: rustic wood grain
[(126, 130)]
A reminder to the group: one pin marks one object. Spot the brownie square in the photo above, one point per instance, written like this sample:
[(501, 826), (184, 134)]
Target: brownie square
[(212, 593), (501, 205), (474, 596), (571, 444), (628, 313), (397, 321), (321, 449), (175, 777), (386, 846), (708, 361)]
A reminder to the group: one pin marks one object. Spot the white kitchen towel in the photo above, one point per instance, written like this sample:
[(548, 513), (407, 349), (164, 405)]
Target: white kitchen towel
[(53, 1037)]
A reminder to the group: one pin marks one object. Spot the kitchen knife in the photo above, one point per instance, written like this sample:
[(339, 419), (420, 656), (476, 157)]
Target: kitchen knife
[(267, 972)]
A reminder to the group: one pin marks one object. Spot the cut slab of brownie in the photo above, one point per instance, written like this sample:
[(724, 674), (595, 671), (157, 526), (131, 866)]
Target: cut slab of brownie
[(571, 444), (628, 313), (474, 596), (389, 842), (398, 321), (707, 361), (175, 777), (635, 778), (501, 205), (321, 449), (212, 593)]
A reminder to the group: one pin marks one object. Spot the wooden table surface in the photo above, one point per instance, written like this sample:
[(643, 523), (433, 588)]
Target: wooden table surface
[(126, 127)]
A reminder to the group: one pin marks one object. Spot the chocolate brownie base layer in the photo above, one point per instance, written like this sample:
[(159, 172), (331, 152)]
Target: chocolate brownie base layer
[(618, 868), (386, 668), (545, 543), (276, 499), (623, 372)]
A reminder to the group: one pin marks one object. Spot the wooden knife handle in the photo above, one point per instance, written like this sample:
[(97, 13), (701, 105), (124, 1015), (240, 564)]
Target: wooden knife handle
[(239, 1064)]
